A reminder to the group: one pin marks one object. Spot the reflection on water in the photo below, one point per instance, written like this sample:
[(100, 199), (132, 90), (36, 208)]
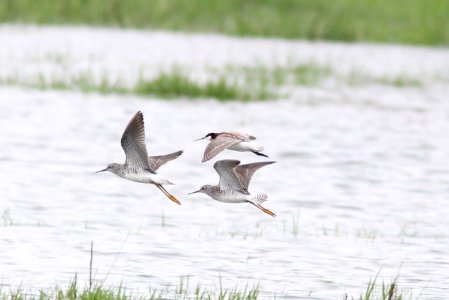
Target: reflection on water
[(357, 189)]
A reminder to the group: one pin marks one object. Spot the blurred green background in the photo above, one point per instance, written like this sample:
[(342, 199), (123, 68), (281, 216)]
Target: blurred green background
[(411, 22)]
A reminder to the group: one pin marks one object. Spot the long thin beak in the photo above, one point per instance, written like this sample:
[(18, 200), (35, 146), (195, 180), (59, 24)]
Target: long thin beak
[(101, 170), (193, 192), (200, 139)]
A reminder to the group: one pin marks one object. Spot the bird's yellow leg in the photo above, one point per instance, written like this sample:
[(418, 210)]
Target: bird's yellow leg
[(169, 196), (265, 210)]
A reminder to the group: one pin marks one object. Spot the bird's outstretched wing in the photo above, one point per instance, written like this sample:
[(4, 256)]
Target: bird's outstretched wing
[(229, 180), (133, 143), (217, 145), (240, 136), (245, 172), (156, 161)]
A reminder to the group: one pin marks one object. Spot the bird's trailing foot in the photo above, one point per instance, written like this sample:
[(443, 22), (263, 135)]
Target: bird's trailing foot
[(169, 196), (265, 210), (173, 198)]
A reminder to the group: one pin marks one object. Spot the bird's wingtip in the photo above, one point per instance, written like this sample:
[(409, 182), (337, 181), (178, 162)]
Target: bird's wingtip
[(178, 153)]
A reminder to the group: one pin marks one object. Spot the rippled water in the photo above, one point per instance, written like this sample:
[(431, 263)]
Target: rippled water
[(361, 186)]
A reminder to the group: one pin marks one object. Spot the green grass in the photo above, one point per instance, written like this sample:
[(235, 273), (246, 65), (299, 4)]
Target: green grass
[(175, 85), (399, 81), (411, 22), (241, 83), (6, 217), (358, 78), (182, 291), (384, 291)]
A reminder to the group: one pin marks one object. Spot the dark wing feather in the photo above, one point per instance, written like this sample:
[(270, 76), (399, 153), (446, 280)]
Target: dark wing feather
[(228, 178), (156, 161), (133, 143), (245, 172), (217, 145)]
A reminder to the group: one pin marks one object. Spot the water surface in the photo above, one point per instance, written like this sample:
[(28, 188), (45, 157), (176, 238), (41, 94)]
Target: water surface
[(361, 186)]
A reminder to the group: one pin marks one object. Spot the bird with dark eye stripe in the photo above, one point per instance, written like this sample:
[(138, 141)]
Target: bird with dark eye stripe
[(236, 141)]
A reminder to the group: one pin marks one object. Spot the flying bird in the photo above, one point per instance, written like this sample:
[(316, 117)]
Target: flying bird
[(234, 182), (138, 166), (236, 141)]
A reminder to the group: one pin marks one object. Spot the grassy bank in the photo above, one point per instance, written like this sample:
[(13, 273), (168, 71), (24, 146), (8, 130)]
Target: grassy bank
[(231, 83), (98, 292), (181, 291), (412, 22)]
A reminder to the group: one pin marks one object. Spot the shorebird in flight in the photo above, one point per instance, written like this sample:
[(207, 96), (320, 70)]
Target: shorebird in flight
[(138, 166), (236, 141), (233, 184)]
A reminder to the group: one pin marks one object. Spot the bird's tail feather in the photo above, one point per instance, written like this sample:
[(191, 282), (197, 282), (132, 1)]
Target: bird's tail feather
[(260, 198), (259, 153), (164, 181)]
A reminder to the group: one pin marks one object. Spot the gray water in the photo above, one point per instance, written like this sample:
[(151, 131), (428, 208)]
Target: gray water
[(360, 187)]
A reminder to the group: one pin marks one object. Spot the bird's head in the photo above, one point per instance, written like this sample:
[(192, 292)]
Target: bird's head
[(205, 189), (113, 168), (209, 136)]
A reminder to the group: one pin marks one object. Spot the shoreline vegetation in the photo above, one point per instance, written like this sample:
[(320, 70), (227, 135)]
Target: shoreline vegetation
[(412, 22), (231, 83), (182, 291)]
